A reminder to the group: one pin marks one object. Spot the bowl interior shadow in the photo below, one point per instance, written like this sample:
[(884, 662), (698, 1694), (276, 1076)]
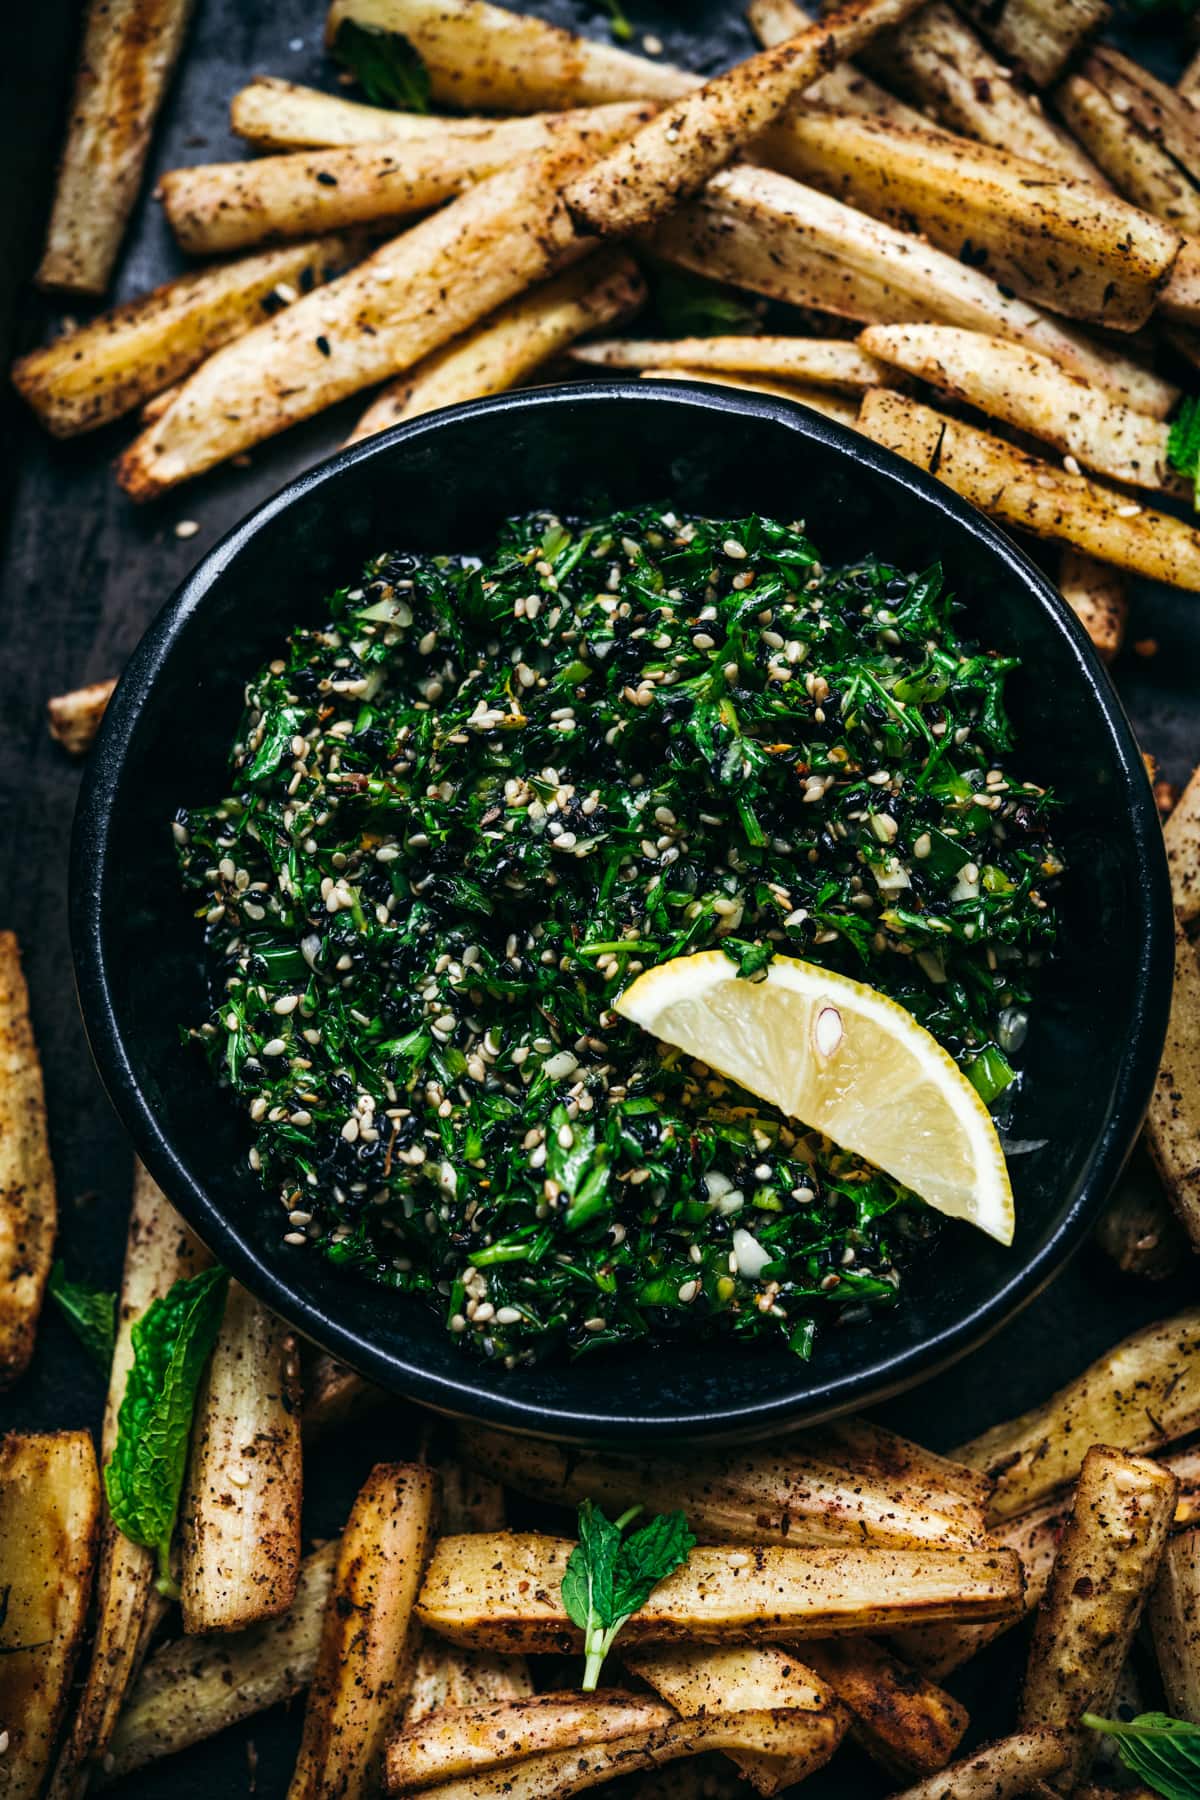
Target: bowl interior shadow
[(445, 485)]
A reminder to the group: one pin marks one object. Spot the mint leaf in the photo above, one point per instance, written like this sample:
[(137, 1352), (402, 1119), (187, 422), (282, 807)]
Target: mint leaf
[(90, 1312), (1183, 442), (691, 306), (647, 1557), (620, 26), (384, 64), (1163, 1752), (608, 1579), (171, 1344)]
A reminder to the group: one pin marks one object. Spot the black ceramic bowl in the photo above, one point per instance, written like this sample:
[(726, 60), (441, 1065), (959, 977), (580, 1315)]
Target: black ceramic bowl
[(444, 482)]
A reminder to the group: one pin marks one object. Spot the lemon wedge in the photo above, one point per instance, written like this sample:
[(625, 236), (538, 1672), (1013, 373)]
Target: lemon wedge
[(843, 1059)]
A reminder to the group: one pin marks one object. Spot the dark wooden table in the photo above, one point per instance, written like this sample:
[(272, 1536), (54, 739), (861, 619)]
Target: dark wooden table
[(84, 572)]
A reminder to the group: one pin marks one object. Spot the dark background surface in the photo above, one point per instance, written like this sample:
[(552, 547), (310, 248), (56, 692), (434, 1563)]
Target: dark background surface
[(83, 573)]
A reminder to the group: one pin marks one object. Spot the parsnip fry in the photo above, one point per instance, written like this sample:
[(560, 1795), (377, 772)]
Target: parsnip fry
[(74, 718), (1189, 82), (129, 51), (1181, 833), (1033, 495), (762, 231), (821, 362), (998, 1771), (1107, 1562), (748, 1679), (486, 58), (159, 1251), (1060, 242), (333, 1396), (845, 88), (414, 295), (216, 207), (194, 1687), (241, 1510), (1173, 1119), (109, 366), (1096, 595), (500, 1591), (1174, 1618), (1039, 36), (1032, 392), (1161, 112), (281, 115), (1180, 297), (847, 1483), (28, 1207), (1141, 1395), (513, 342), (1138, 1230), (49, 1528), (833, 406), (367, 1639), (1134, 163), (901, 1719), (677, 151), (471, 1740)]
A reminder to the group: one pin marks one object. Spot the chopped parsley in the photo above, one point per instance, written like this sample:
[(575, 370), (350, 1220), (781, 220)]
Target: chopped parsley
[(466, 809)]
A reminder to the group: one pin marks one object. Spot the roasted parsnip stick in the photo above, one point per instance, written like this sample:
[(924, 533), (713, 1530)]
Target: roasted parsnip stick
[(1096, 595), (367, 1638), (1174, 1618), (1107, 1562), (1181, 833), (845, 88), (471, 1740), (500, 1591), (414, 295), (49, 1530), (28, 1207), (822, 400), (1033, 495), (1039, 36), (820, 362), (998, 1771), (847, 1483), (129, 51), (486, 58), (111, 365), (333, 1395), (214, 208), (762, 231), (281, 115), (1189, 82), (1161, 111), (1142, 1394), (1037, 395), (902, 1720), (1060, 242), (513, 342), (1133, 162), (1179, 300), (1173, 1119), (194, 1687), (1139, 1232), (74, 718), (159, 1251), (679, 150), (241, 1509)]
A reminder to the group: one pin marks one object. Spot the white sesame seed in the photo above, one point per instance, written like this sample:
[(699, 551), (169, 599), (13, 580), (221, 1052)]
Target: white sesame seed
[(735, 551), (287, 1003), (186, 528), (294, 1237), (276, 1047)]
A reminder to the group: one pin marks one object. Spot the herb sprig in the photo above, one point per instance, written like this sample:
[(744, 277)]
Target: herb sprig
[(1183, 442), (385, 65), (89, 1311), (1161, 1751), (610, 1576)]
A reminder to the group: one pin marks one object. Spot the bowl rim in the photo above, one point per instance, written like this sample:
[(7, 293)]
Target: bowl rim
[(478, 1392)]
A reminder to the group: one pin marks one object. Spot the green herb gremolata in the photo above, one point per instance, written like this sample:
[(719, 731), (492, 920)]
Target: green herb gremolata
[(464, 812)]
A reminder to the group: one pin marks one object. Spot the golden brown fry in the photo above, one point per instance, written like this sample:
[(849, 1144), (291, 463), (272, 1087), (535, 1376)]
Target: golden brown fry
[(823, 362), (194, 1687), (485, 58), (845, 88), (1181, 833), (676, 153), (28, 1208), (821, 400), (159, 1251), (1137, 1230), (1173, 1119), (1096, 595), (414, 295), (281, 115), (1060, 242), (367, 1639), (240, 1518), (513, 342), (49, 1528), (1033, 495), (1179, 300), (216, 207), (1141, 1395), (901, 1719), (998, 1771), (1161, 111), (109, 366), (1107, 1562), (1039, 36), (762, 231), (74, 718), (1135, 164), (500, 1591), (129, 50), (1038, 396), (333, 1395), (471, 1740), (1173, 1613), (850, 1483), (1189, 82)]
